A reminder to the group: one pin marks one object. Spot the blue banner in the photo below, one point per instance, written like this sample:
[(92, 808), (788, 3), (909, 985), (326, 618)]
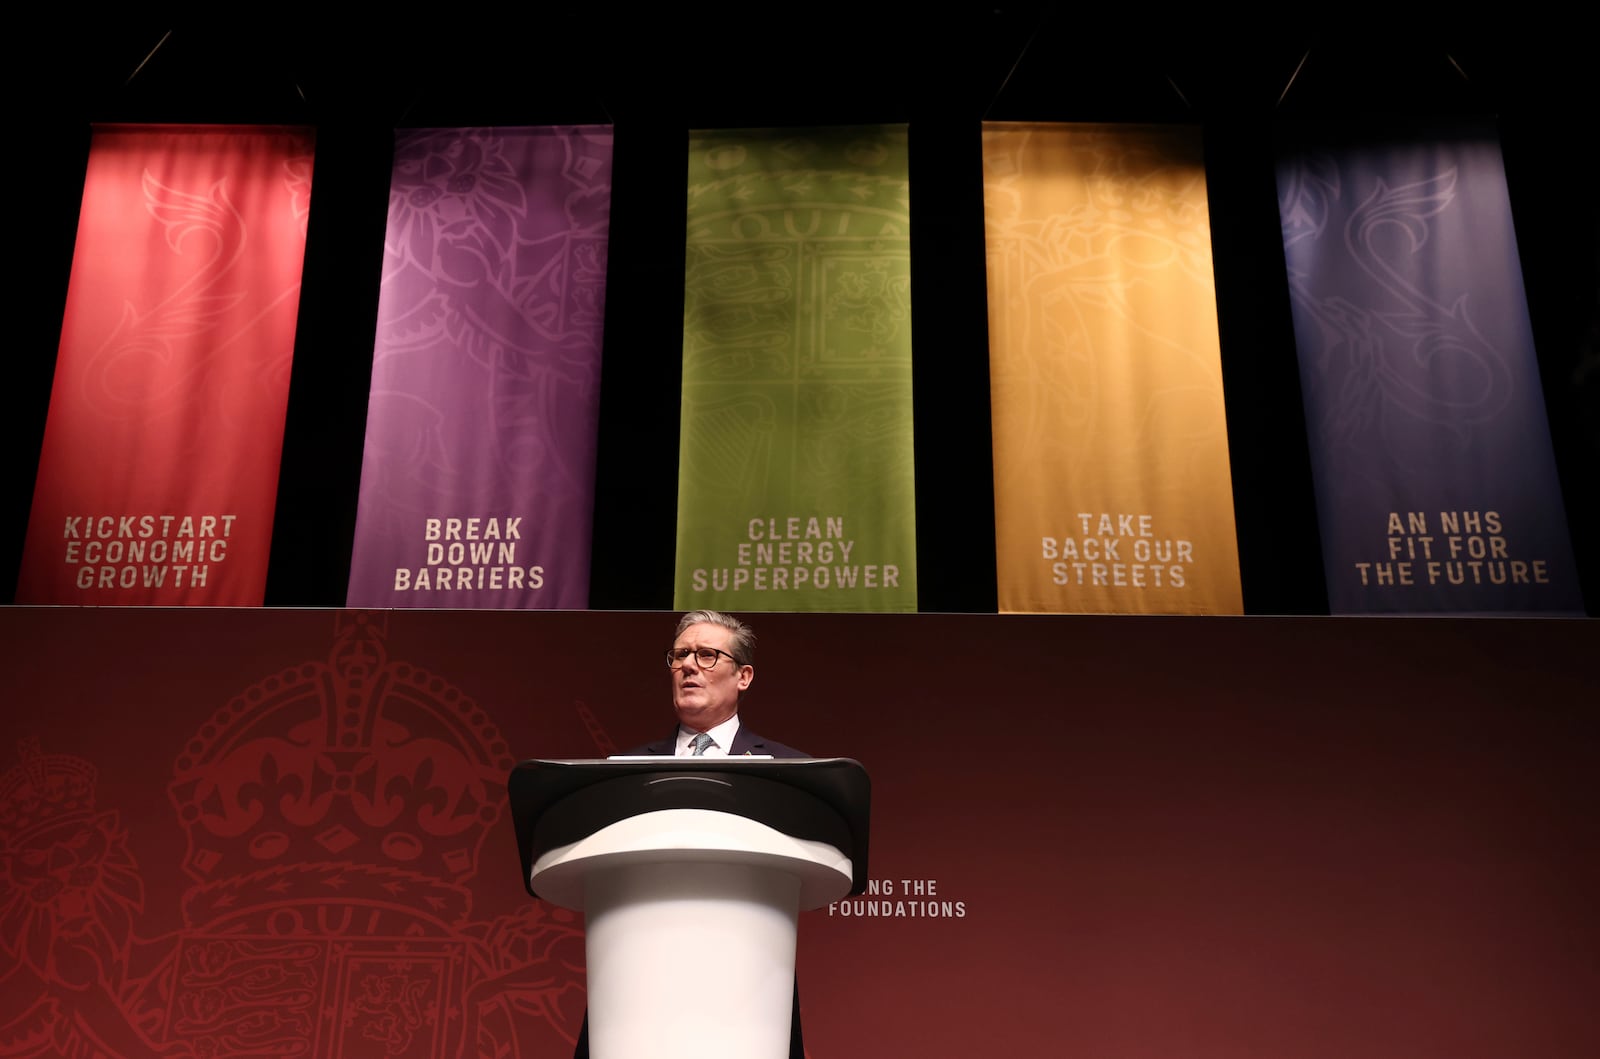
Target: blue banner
[(1434, 473)]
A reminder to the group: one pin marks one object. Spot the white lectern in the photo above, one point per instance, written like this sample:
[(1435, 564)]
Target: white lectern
[(691, 873)]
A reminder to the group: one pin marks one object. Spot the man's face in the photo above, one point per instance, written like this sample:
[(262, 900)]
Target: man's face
[(704, 698)]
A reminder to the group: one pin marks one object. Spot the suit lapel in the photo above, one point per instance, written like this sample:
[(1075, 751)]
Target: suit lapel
[(746, 742)]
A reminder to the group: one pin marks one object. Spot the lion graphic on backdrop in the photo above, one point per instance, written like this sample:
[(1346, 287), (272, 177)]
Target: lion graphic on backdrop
[(334, 814), (67, 914)]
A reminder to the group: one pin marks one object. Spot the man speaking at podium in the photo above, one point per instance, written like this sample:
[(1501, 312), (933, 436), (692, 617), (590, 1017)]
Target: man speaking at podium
[(712, 662)]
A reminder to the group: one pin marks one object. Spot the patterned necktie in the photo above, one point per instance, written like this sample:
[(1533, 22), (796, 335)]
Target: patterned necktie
[(701, 741)]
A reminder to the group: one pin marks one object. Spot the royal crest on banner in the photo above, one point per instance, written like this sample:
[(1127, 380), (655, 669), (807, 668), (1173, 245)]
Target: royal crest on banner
[(795, 488)]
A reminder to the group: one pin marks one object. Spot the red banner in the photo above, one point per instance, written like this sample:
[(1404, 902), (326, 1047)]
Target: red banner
[(159, 468)]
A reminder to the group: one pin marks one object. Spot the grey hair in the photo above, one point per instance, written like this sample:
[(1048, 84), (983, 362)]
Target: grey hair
[(744, 637)]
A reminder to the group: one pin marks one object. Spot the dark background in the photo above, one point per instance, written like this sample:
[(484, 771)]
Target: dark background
[(942, 72)]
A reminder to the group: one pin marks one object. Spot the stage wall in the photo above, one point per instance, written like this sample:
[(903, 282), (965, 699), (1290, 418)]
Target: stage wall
[(267, 831)]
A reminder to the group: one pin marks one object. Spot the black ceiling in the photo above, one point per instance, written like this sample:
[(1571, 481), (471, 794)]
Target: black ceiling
[(726, 65)]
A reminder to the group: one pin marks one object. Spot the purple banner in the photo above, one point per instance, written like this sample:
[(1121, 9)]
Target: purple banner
[(1434, 474), (477, 483)]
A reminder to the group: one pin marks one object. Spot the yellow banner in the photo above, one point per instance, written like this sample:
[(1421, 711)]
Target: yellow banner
[(1112, 490)]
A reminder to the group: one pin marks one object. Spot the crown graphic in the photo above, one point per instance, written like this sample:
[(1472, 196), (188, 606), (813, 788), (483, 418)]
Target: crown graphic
[(43, 790), (355, 760)]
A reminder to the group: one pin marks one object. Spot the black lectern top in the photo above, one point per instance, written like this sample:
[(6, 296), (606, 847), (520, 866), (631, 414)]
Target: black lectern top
[(556, 803)]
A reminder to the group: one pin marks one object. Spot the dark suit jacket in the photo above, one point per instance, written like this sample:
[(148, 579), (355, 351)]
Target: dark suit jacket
[(744, 742)]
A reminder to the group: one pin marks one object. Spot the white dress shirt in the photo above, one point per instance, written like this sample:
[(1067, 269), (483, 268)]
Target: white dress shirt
[(722, 738)]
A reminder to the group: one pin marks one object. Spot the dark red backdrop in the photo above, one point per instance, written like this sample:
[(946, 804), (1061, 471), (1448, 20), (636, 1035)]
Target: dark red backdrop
[(267, 831)]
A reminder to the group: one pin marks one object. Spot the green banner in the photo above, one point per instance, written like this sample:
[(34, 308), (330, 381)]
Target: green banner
[(795, 488)]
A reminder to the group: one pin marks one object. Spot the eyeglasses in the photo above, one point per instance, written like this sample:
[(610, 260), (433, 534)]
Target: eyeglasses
[(705, 657)]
